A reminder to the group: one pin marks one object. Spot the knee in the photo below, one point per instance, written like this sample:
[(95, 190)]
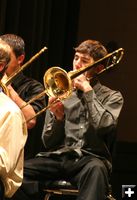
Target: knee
[(96, 167)]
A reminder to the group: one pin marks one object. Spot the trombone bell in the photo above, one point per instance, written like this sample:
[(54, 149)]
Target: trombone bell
[(57, 83)]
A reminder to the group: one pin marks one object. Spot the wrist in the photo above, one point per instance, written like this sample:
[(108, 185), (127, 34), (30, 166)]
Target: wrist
[(87, 87), (20, 102)]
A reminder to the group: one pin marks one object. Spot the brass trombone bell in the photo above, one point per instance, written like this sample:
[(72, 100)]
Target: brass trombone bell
[(58, 83)]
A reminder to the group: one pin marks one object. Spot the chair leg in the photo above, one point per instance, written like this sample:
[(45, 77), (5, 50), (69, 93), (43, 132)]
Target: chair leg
[(109, 197), (47, 196)]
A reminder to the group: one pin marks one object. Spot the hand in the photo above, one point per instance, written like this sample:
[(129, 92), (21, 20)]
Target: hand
[(82, 83), (57, 108)]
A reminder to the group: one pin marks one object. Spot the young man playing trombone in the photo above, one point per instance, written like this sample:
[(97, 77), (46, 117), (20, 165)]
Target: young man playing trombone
[(77, 134)]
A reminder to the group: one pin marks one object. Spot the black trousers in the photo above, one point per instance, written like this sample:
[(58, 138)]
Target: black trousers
[(89, 173)]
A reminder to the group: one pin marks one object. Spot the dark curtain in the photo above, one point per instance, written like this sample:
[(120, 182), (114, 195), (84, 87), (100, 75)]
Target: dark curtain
[(50, 23)]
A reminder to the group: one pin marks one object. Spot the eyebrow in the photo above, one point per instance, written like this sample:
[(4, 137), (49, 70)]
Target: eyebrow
[(83, 57)]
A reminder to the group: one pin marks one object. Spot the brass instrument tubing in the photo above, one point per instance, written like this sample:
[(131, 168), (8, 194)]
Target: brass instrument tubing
[(10, 79)]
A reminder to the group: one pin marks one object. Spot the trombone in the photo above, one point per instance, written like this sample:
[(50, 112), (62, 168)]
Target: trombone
[(58, 83), (12, 76)]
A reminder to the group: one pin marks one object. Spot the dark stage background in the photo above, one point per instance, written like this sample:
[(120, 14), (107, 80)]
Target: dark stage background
[(61, 25)]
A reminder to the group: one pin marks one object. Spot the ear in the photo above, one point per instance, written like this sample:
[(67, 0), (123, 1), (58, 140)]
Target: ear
[(21, 59)]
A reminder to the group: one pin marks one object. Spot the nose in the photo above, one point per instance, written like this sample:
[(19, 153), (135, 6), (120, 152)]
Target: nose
[(78, 64)]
